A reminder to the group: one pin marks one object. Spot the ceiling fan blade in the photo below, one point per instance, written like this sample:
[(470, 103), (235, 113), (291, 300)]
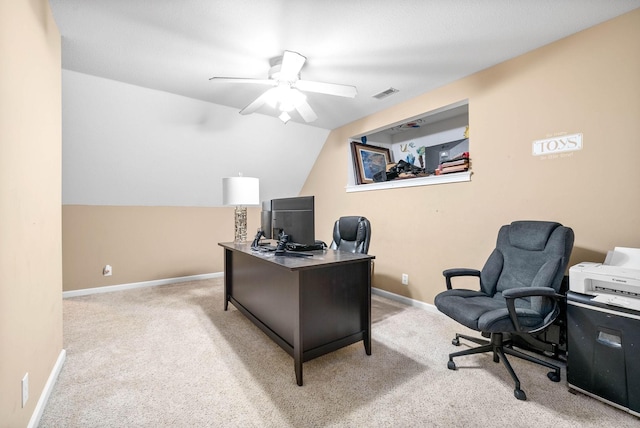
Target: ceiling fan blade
[(306, 111), (244, 80), (292, 63), (327, 88), (258, 102)]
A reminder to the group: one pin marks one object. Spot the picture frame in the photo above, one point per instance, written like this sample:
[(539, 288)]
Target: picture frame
[(368, 160)]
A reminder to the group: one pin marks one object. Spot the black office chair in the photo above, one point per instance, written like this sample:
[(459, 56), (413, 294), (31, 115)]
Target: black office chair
[(518, 294), (351, 233)]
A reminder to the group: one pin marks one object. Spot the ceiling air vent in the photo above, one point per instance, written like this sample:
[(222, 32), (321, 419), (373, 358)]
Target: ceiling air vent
[(386, 93)]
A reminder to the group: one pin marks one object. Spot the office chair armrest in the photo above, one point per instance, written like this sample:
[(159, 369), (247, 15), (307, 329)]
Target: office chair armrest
[(516, 293), (450, 273)]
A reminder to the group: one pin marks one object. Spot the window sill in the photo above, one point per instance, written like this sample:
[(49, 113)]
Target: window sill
[(456, 177)]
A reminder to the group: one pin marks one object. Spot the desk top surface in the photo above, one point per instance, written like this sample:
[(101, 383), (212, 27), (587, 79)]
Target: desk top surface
[(319, 259)]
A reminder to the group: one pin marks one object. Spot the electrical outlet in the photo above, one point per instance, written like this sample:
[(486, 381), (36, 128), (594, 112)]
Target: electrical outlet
[(405, 279), (107, 270), (25, 389)]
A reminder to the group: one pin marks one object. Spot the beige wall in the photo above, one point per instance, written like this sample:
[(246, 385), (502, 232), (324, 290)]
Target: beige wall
[(588, 83), (144, 243), (30, 198)]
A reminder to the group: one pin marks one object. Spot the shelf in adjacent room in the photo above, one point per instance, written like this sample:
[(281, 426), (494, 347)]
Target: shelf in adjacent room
[(424, 141), (456, 177)]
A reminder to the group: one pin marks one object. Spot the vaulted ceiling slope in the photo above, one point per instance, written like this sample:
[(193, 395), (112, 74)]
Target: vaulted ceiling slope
[(411, 45)]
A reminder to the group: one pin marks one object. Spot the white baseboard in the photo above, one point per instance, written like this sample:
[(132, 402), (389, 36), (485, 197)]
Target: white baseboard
[(406, 300), (130, 286), (109, 288), (46, 392)]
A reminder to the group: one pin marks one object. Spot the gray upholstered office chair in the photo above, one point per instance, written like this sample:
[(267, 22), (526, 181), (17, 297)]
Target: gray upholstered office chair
[(351, 233), (518, 294)]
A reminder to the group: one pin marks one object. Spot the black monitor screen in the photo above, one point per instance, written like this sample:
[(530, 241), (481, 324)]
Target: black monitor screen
[(294, 217)]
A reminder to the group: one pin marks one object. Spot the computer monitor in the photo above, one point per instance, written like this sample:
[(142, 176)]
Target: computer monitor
[(295, 218)]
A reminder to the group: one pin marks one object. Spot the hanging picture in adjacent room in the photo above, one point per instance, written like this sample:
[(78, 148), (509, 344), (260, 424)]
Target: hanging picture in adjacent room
[(368, 160)]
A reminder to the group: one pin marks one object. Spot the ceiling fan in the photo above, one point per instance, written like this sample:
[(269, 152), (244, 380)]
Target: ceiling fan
[(287, 87)]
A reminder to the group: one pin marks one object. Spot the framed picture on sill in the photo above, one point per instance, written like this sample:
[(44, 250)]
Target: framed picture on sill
[(368, 160)]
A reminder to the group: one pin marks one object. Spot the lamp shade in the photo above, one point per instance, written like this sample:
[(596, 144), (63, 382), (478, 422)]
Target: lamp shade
[(240, 191)]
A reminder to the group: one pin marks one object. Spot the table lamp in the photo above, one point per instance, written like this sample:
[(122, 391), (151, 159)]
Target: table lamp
[(240, 191)]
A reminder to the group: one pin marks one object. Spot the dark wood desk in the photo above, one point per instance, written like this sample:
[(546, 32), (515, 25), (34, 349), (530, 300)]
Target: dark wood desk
[(309, 306)]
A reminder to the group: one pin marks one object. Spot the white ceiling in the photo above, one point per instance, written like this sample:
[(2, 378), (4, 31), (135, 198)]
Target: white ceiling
[(412, 45)]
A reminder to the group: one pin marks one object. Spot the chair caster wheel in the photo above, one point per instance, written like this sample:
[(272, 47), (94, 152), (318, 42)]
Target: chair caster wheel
[(519, 394), (455, 342), (451, 365), (554, 376)]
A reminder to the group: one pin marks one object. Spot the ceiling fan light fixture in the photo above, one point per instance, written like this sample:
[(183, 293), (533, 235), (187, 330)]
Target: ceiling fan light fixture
[(287, 88), (290, 99), (272, 97), (284, 117)]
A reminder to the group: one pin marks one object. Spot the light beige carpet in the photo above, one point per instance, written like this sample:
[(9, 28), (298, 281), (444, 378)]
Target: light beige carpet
[(169, 356)]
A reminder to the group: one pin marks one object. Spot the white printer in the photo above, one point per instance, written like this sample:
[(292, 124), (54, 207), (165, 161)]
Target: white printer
[(615, 282), (603, 329)]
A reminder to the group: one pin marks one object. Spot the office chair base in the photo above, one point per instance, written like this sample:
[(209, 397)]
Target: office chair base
[(456, 340), (520, 395), (499, 348), (554, 376)]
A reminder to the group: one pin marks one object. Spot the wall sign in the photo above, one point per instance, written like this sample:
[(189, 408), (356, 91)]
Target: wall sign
[(558, 144)]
